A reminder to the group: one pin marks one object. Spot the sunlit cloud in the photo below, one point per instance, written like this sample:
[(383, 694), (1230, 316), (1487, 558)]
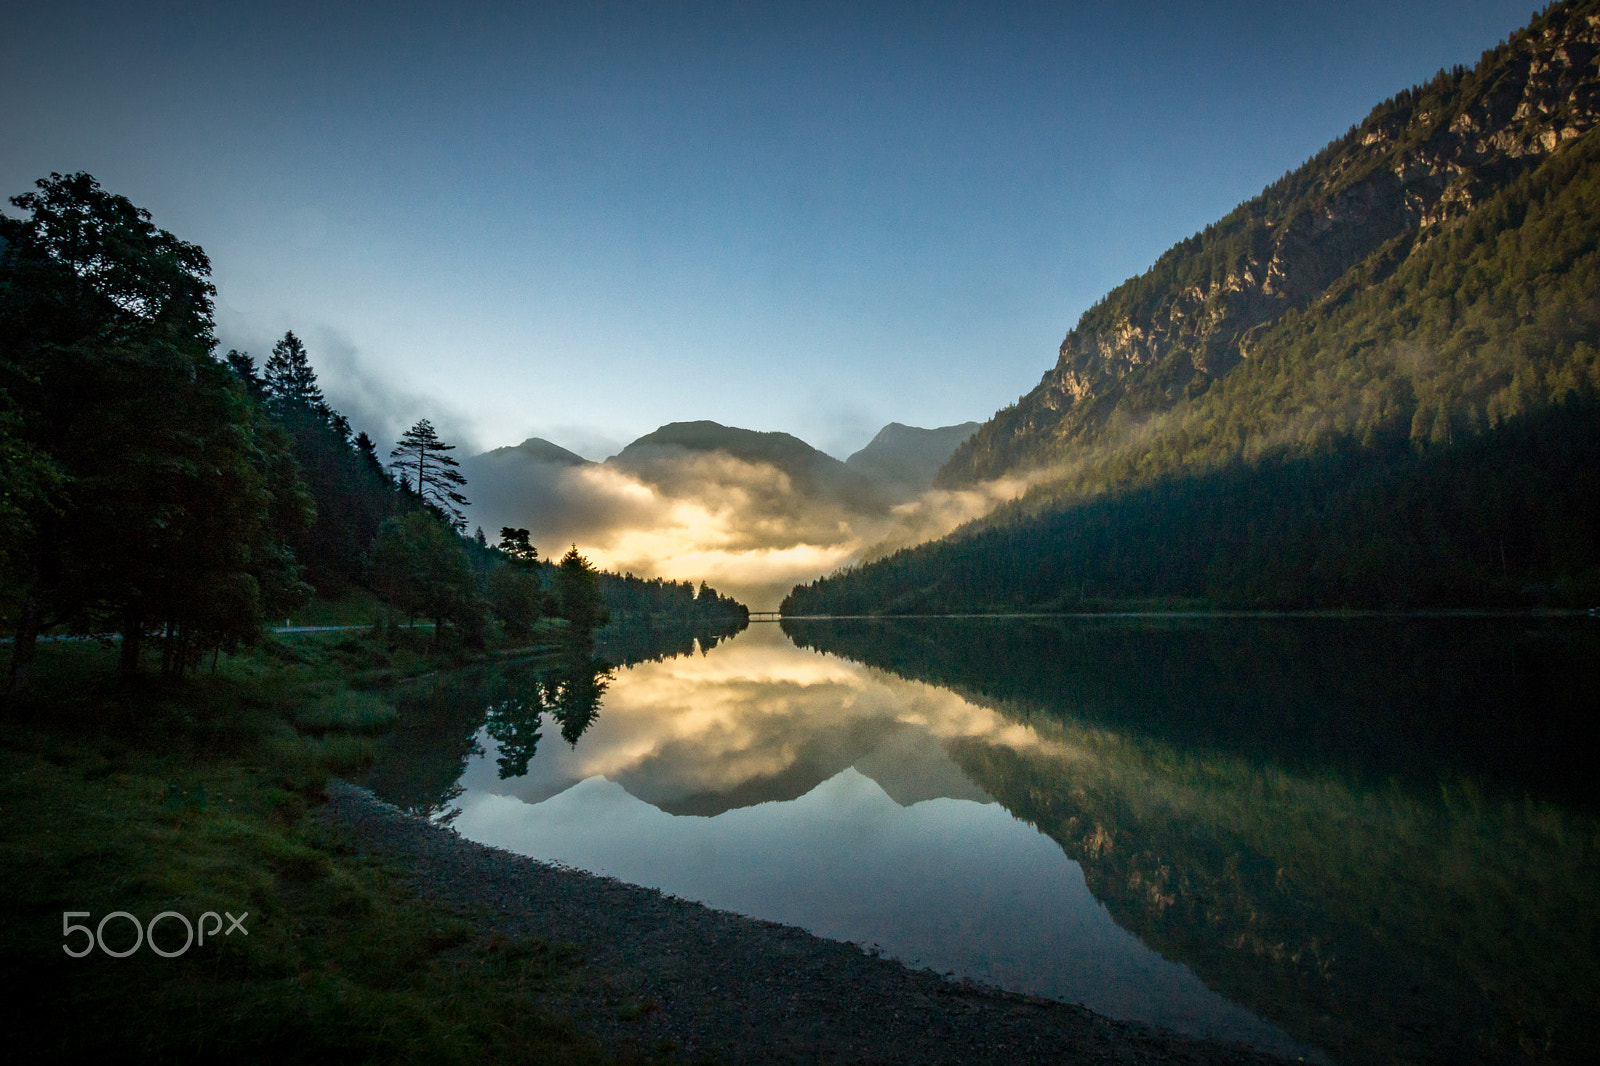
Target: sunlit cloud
[(744, 527)]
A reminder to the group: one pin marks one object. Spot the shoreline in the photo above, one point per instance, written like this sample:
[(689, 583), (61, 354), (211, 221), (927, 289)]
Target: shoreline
[(664, 973)]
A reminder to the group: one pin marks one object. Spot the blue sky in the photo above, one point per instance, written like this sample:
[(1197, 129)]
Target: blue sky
[(581, 221)]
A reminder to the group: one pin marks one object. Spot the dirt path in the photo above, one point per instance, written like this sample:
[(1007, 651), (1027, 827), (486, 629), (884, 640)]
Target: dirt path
[(725, 988)]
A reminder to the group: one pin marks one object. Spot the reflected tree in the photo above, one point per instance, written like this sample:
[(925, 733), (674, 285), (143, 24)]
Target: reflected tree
[(574, 689), (514, 722), (582, 604), (571, 693)]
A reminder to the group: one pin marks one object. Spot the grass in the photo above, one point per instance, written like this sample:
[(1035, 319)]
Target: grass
[(199, 799), (357, 607)]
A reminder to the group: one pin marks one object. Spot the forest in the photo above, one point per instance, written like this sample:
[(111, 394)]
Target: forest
[(177, 498)]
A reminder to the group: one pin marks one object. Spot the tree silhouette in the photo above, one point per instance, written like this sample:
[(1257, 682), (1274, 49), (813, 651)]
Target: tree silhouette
[(518, 552), (289, 379), (578, 591), (143, 491), (420, 460)]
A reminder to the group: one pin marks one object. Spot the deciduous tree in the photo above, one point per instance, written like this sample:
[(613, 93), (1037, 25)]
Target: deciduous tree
[(160, 483)]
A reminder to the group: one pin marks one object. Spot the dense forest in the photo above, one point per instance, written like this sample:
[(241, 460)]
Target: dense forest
[(1420, 432), (153, 489)]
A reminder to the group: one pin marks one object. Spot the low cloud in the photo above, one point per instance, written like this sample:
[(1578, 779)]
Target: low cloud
[(742, 526), (372, 403)]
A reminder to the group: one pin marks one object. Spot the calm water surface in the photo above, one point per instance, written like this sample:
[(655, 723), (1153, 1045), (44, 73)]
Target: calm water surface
[(1371, 840)]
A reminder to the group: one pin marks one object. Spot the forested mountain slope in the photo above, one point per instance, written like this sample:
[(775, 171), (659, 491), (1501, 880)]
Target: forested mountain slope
[(1420, 430), (1416, 168)]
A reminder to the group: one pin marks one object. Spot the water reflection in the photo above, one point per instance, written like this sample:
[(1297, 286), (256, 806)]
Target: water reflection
[(1380, 833), (803, 788), (570, 691), (1314, 818)]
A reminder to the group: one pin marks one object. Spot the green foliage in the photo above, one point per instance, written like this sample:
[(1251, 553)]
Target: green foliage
[(1417, 167), (1422, 435), (517, 600), (28, 480), (347, 487), (636, 598), (168, 500), (577, 588), (518, 552), (197, 801), (289, 382), (1508, 519), (418, 564)]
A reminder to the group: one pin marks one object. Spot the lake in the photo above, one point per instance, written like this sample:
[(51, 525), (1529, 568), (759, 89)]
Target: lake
[(1357, 839)]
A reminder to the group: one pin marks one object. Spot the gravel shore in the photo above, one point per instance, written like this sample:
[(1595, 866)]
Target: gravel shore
[(723, 988)]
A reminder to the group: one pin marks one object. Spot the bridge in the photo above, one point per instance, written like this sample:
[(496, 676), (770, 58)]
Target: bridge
[(764, 616)]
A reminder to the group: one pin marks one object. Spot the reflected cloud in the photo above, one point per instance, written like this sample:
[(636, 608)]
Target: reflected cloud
[(754, 721)]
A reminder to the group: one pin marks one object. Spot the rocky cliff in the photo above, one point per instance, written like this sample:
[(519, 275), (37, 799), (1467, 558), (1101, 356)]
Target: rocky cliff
[(1415, 167)]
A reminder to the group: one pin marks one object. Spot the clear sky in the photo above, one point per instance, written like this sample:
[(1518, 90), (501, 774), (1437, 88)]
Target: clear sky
[(583, 220)]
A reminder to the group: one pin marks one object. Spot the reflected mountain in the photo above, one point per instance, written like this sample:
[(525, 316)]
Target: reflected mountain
[(1370, 832), (1373, 832), (1375, 697), (699, 734), (446, 718)]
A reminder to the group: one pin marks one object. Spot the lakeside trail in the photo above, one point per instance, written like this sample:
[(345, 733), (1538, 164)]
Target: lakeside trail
[(665, 973)]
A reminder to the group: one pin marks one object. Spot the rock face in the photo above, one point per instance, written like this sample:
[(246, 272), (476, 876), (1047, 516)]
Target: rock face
[(1417, 165)]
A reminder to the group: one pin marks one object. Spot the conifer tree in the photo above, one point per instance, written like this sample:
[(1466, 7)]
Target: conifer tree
[(419, 459), (289, 379)]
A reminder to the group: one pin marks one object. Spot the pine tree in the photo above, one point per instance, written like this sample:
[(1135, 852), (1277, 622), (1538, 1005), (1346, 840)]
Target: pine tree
[(289, 379), (514, 545), (420, 460)]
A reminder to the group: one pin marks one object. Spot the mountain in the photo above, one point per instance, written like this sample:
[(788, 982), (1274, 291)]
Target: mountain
[(1372, 385), (511, 486), (753, 512), (681, 454), (532, 450), (1413, 170), (906, 459)]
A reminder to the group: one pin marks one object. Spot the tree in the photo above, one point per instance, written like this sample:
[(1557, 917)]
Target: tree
[(290, 382), (153, 454), (516, 598), (420, 460), (515, 547), (418, 564), (573, 691), (351, 490), (578, 592)]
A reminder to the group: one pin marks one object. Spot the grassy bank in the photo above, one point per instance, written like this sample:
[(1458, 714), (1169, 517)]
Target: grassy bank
[(197, 799)]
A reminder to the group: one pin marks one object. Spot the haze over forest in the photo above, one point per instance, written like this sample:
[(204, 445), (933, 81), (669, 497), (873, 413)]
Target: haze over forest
[(1227, 354)]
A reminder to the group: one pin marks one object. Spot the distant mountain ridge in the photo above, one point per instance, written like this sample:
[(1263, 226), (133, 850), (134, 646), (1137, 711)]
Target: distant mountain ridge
[(1416, 167), (759, 510), (535, 450), (898, 463), (908, 457), (658, 457)]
